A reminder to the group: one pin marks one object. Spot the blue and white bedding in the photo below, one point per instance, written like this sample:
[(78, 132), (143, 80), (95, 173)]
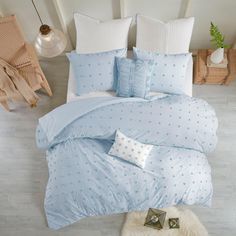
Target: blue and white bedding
[(85, 181)]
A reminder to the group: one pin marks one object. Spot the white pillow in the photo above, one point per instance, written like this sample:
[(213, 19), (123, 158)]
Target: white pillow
[(172, 37), (130, 150), (93, 36)]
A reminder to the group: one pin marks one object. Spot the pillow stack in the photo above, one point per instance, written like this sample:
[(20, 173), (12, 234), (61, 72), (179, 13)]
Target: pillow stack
[(160, 60), (168, 45), (98, 44)]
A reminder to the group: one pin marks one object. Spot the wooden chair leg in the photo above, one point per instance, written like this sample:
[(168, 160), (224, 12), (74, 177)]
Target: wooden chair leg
[(45, 85), (39, 71)]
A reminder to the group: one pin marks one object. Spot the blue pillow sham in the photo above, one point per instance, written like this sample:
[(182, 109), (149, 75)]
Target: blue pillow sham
[(169, 70), (95, 71), (133, 77)]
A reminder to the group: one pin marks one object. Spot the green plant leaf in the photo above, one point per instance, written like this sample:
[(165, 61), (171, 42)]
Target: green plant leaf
[(217, 37)]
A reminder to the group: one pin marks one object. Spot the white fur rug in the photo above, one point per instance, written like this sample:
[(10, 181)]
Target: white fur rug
[(189, 224)]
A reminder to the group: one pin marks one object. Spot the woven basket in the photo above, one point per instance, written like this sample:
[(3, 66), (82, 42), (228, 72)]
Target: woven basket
[(212, 75)]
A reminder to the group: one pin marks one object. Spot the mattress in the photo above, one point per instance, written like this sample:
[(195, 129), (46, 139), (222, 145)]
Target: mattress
[(71, 90)]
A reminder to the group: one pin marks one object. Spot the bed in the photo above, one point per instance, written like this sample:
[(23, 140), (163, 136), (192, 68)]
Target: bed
[(85, 181), (145, 144)]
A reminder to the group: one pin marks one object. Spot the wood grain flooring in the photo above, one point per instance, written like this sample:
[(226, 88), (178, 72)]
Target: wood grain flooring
[(23, 169)]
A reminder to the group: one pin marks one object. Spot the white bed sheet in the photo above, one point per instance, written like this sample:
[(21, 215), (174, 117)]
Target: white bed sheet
[(71, 90)]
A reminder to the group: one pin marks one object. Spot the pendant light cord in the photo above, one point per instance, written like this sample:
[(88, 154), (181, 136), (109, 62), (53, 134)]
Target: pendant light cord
[(37, 11)]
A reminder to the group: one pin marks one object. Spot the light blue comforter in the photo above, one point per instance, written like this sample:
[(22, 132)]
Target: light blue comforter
[(85, 181)]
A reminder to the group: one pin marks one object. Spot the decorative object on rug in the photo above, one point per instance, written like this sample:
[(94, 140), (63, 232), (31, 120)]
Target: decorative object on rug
[(155, 218), (49, 42), (19, 64), (190, 224), (173, 223), (218, 41), (214, 75)]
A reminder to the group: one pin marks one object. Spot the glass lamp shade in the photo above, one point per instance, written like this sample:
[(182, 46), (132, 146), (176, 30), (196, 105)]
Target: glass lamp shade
[(50, 42)]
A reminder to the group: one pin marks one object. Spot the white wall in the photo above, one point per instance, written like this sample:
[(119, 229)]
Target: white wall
[(222, 12), (27, 16), (100, 9)]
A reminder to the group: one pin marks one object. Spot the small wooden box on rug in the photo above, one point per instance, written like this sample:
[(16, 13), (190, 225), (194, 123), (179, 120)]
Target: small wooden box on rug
[(214, 75)]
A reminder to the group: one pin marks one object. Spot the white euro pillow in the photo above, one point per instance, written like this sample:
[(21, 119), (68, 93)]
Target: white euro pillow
[(130, 149), (170, 37), (93, 36)]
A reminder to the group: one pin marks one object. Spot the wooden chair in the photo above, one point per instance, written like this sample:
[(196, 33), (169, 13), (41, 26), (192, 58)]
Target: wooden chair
[(20, 55)]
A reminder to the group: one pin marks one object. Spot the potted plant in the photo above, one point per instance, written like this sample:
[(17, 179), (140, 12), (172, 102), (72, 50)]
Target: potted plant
[(217, 39)]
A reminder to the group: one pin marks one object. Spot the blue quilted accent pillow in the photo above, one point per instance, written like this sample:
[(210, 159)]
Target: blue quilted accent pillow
[(95, 71), (169, 70), (133, 77)]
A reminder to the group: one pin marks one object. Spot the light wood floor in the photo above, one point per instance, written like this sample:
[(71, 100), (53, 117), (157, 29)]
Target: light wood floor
[(23, 169)]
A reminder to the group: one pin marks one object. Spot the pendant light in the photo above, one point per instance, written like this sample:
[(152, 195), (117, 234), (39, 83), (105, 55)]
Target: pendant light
[(49, 42)]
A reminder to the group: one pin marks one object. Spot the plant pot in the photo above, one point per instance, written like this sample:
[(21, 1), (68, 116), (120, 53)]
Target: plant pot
[(217, 56)]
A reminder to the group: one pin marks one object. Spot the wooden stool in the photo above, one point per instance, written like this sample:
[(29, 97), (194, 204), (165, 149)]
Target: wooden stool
[(213, 75)]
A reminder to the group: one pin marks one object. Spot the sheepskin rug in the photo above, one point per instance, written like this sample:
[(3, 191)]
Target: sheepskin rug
[(189, 224)]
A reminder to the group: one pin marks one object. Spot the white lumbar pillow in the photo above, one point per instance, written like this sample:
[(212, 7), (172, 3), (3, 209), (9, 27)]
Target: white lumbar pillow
[(172, 37), (94, 36), (130, 149)]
